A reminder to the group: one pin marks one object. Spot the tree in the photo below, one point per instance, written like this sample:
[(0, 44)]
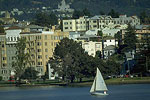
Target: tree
[(130, 39), (113, 14), (118, 37), (86, 12), (143, 16), (77, 14), (1, 28), (44, 19), (143, 57), (102, 13), (69, 55), (22, 59), (30, 73)]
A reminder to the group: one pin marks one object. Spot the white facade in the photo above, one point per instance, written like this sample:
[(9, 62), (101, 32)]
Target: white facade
[(108, 42), (92, 47), (12, 35)]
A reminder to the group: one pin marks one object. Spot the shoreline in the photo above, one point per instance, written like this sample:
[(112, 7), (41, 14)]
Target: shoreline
[(114, 81)]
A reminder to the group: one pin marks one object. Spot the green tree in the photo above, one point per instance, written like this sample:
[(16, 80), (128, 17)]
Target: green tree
[(118, 37), (0, 78), (143, 16), (77, 14), (68, 54), (113, 14), (130, 39), (86, 12), (44, 19), (22, 59), (1, 28), (30, 73), (100, 33), (143, 57)]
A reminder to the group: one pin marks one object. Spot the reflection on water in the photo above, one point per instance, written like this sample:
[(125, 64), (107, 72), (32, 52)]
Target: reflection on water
[(116, 92)]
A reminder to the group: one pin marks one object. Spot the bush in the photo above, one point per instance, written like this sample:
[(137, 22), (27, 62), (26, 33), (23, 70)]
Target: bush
[(0, 78)]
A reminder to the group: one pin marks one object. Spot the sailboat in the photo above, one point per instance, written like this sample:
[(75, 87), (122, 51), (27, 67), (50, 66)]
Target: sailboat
[(98, 87)]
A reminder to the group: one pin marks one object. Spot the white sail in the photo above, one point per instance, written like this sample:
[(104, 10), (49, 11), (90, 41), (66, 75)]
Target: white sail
[(98, 84), (93, 87)]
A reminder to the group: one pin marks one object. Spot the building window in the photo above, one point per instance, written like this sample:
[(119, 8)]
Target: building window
[(45, 37), (66, 27), (94, 21), (45, 43), (39, 57), (94, 26), (39, 50), (3, 46), (39, 43), (65, 23), (4, 58), (46, 50)]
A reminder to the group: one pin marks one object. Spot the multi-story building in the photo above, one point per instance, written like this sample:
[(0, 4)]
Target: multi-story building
[(73, 25), (98, 22), (142, 31), (123, 19), (92, 47), (41, 46)]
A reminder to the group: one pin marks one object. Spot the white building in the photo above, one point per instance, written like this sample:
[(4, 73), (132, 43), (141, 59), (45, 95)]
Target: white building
[(92, 47), (110, 41)]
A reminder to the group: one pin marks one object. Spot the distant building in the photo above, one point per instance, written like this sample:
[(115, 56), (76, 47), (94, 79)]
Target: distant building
[(123, 19), (7, 19), (63, 10), (98, 22), (73, 25)]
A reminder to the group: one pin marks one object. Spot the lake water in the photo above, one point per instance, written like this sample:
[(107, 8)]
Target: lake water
[(116, 92)]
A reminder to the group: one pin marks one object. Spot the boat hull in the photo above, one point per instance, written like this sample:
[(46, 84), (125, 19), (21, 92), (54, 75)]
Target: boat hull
[(98, 94)]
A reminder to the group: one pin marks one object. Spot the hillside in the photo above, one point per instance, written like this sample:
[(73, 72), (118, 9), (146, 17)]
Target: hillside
[(129, 7)]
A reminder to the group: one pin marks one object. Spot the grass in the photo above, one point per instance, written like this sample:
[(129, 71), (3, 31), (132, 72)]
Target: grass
[(85, 82), (134, 80)]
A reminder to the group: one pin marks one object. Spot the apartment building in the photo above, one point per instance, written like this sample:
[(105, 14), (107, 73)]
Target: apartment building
[(41, 46), (123, 19), (73, 25), (97, 22)]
